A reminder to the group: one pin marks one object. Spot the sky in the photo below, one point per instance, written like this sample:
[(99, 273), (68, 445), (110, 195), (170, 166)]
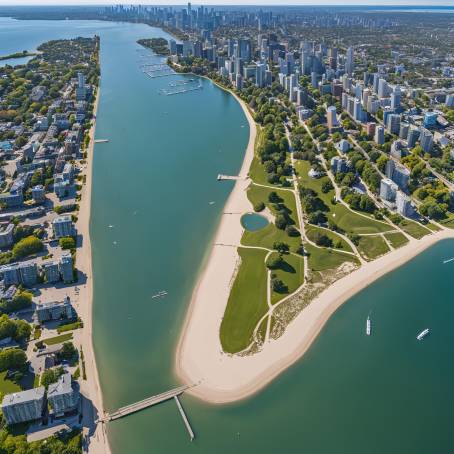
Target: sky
[(232, 2)]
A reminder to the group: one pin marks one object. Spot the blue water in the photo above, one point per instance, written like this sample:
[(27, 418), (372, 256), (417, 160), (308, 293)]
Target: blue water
[(253, 222), (350, 394)]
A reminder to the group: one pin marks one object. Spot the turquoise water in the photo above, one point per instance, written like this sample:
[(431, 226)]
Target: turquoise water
[(253, 222), (350, 394)]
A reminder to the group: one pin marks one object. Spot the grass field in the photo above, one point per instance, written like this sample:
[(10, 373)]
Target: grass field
[(396, 239), (311, 230), (291, 274), (372, 247), (433, 227), (7, 386), (321, 259), (414, 229), (58, 339), (267, 236), (247, 301), (260, 194)]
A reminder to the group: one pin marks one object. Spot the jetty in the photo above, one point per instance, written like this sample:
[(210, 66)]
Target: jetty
[(101, 140), (157, 70), (229, 177), (151, 401)]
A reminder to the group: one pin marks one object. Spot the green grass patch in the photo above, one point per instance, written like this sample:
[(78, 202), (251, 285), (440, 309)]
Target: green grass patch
[(321, 259), (414, 229), (396, 239), (258, 194), (449, 221), (69, 327), (247, 301), (58, 339), (267, 236), (432, 227), (311, 231), (372, 247), (291, 273), (7, 386)]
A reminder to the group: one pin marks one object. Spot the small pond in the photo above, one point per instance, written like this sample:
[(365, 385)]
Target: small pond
[(253, 222)]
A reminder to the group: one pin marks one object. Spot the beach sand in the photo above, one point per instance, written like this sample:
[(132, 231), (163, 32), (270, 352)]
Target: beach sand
[(90, 388), (226, 378)]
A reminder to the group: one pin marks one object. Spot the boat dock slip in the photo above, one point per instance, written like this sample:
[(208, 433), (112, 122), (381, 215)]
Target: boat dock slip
[(185, 419), (145, 403)]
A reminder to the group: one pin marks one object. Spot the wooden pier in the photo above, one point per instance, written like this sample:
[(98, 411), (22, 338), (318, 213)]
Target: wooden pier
[(229, 177), (185, 418), (101, 140), (145, 403)]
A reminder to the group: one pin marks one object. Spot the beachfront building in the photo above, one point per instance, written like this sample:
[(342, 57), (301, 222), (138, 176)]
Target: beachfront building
[(66, 268), (63, 226), (54, 310), (51, 272), (24, 273), (62, 396), (6, 235), (388, 190), (23, 406), (403, 204)]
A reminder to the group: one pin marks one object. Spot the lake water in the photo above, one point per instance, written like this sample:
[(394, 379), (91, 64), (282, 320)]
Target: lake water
[(253, 222), (154, 182)]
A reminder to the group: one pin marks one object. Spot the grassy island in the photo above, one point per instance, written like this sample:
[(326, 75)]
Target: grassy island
[(159, 46)]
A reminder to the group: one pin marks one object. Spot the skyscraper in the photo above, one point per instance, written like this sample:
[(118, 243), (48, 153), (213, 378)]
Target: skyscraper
[(331, 117)]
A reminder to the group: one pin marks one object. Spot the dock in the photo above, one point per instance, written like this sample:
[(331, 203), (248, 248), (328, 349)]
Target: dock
[(185, 419), (145, 403), (101, 140), (229, 177), (157, 70)]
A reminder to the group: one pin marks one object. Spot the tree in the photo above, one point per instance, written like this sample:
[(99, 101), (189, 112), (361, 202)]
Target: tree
[(281, 222), (317, 217), (12, 358), (20, 301), (67, 242), (291, 230), (50, 376), (327, 186), (278, 286), (68, 351), (323, 240), (274, 261), (281, 247), (27, 246)]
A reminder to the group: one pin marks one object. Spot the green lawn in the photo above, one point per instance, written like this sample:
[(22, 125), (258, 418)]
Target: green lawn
[(414, 229), (372, 247), (267, 236), (433, 227), (257, 172), (396, 239), (449, 221), (258, 194), (247, 301), (7, 386), (321, 259), (291, 273), (311, 230), (58, 339)]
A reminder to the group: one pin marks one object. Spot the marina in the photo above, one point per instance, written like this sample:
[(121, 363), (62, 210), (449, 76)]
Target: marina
[(181, 86), (156, 70)]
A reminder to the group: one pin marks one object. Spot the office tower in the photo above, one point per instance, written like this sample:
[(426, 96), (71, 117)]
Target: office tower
[(388, 190), (260, 74), (426, 140), (395, 98), (382, 88), (403, 131), (412, 136), (331, 116), (393, 123), (379, 135)]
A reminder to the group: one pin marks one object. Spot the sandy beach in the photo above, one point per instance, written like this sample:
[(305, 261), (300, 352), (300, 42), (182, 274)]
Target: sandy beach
[(226, 378), (90, 388)]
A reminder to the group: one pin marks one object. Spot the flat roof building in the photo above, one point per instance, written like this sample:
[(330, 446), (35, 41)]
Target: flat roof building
[(23, 406)]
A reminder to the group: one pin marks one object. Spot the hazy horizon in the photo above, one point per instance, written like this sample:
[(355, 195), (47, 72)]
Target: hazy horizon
[(418, 3)]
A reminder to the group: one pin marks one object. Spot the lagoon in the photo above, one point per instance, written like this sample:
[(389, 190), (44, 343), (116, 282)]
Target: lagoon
[(387, 393), (253, 222)]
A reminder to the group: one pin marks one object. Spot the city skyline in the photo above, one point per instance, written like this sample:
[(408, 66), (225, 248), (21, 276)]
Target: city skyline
[(406, 3)]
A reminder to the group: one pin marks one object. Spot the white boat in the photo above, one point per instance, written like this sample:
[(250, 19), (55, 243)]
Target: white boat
[(368, 326), (422, 334)]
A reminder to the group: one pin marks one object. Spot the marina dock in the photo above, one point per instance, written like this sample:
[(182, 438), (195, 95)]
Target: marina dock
[(145, 403), (101, 140), (185, 419), (229, 177)]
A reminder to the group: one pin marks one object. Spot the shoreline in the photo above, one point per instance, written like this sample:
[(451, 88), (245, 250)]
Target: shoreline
[(225, 378), (90, 388)]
